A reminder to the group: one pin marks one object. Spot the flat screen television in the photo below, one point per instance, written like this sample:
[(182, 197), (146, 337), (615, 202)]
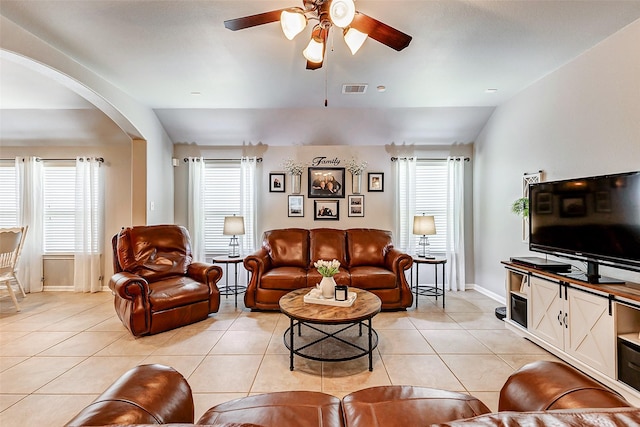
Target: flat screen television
[(594, 219)]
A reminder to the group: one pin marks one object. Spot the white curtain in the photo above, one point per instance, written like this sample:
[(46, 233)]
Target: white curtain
[(405, 182), (455, 224), (248, 196), (195, 210), (89, 225), (29, 179)]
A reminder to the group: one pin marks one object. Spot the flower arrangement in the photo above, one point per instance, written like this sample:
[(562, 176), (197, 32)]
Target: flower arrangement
[(355, 167), (292, 167), (327, 268)]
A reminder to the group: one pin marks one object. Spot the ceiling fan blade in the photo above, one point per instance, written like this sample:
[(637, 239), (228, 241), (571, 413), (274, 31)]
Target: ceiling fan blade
[(381, 32), (253, 20)]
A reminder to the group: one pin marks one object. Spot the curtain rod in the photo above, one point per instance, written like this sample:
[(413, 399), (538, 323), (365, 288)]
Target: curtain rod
[(186, 159), (38, 159), (395, 159)]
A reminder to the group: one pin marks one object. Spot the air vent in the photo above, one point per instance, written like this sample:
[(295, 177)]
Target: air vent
[(354, 88)]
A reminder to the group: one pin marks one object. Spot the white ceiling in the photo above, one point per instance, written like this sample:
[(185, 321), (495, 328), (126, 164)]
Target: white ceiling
[(252, 81)]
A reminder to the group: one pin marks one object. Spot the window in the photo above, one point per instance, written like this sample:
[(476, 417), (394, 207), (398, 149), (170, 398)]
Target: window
[(59, 207), (8, 195), (222, 197), (431, 199)]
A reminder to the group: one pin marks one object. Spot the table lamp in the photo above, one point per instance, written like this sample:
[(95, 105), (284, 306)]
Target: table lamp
[(424, 225), (233, 226)]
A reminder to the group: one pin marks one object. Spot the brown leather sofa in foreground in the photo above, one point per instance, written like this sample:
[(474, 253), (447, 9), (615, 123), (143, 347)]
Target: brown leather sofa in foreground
[(367, 258), (156, 284), (540, 394)]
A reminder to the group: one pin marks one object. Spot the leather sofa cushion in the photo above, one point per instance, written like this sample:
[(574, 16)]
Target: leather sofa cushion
[(288, 247), (154, 252), (557, 418), (175, 292), (368, 277), (408, 406), (279, 409), (328, 244), (342, 277), (367, 246), (284, 278)]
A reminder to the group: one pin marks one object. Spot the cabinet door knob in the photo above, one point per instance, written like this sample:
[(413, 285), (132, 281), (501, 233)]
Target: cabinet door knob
[(566, 325), (560, 317)]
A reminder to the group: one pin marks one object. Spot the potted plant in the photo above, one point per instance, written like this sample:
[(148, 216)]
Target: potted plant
[(520, 207)]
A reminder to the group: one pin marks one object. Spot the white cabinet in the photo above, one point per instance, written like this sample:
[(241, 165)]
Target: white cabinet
[(577, 322)]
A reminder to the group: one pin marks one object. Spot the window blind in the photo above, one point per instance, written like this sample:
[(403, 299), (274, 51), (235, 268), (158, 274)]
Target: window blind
[(59, 207), (431, 199), (221, 196), (8, 195)]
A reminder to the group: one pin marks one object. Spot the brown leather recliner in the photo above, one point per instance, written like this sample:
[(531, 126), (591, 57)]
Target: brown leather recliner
[(156, 285)]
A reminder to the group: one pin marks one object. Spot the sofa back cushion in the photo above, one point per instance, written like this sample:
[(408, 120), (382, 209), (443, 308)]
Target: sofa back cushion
[(328, 244), (367, 246), (154, 252), (287, 247)]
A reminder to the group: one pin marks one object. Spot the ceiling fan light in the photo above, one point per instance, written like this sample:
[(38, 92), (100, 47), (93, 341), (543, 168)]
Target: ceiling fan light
[(314, 51), (354, 39), (292, 22), (342, 12)]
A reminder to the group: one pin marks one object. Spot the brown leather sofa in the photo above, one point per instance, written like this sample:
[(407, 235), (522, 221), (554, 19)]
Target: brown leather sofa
[(540, 394), (367, 258), (156, 284)]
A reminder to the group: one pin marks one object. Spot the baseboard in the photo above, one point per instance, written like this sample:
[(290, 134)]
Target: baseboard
[(499, 298)]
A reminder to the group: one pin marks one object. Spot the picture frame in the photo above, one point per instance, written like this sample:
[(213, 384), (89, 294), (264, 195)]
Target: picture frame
[(326, 210), (544, 203), (376, 181), (573, 206), (277, 182), (356, 205), (295, 207), (326, 183)]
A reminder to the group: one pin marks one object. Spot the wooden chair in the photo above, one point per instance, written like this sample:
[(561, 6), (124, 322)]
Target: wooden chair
[(11, 242)]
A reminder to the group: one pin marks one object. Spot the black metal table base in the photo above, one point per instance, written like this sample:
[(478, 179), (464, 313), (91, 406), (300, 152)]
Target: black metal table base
[(330, 342)]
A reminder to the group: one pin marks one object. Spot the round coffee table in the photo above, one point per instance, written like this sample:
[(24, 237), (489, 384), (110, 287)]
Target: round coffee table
[(327, 333)]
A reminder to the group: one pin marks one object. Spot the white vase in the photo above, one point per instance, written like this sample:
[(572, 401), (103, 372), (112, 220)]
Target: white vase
[(295, 184), (328, 287), (356, 183)]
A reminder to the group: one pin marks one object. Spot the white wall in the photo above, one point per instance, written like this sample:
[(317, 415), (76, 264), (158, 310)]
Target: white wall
[(272, 207), (581, 120)]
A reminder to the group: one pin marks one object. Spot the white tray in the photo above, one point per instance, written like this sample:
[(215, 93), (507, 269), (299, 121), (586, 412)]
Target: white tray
[(351, 297)]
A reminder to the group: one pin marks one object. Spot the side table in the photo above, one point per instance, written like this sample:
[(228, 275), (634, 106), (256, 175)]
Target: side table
[(428, 290), (227, 289)]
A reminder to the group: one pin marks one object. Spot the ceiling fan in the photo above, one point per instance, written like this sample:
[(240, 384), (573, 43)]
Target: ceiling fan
[(356, 27)]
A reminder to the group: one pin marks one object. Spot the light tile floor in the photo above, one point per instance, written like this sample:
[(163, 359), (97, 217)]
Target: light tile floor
[(63, 349)]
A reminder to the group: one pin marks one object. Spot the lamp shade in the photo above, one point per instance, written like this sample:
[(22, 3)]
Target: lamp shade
[(293, 22), (354, 39), (314, 51), (233, 226), (424, 225), (342, 12)]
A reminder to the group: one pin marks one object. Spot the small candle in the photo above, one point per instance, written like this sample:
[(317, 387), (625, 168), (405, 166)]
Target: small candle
[(341, 293)]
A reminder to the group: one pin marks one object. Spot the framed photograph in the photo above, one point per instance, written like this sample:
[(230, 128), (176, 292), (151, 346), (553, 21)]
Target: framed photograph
[(356, 205), (376, 181), (326, 183), (326, 210), (276, 182), (296, 205)]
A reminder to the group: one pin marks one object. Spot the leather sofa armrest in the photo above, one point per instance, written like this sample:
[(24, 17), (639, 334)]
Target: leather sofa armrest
[(205, 273), (256, 264), (398, 261), (129, 286), (546, 385), (146, 394)]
